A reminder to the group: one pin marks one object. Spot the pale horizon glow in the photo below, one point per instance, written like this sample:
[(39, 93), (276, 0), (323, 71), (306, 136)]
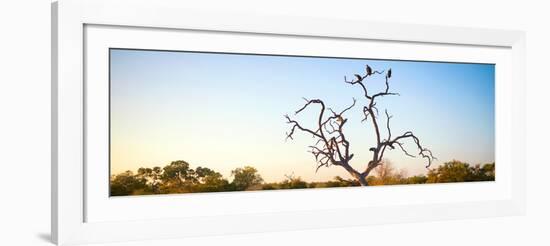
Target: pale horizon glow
[(225, 111)]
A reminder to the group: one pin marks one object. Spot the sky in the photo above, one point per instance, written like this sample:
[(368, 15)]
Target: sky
[(224, 111)]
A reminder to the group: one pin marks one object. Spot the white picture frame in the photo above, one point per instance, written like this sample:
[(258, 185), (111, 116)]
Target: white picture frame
[(82, 214)]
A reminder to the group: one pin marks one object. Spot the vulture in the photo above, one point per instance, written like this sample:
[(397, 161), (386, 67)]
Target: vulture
[(369, 70), (389, 73), (358, 77)]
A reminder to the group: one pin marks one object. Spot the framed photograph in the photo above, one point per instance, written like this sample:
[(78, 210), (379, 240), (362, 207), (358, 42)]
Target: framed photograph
[(168, 122)]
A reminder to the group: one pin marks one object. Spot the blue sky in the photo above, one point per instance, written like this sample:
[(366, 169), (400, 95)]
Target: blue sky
[(225, 111)]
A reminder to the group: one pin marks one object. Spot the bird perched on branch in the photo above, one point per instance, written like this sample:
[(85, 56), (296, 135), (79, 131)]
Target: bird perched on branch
[(369, 70)]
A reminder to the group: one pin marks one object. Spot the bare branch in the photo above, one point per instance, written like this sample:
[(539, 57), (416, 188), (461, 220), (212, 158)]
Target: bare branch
[(388, 123), (403, 149), (297, 125), (331, 147), (423, 152)]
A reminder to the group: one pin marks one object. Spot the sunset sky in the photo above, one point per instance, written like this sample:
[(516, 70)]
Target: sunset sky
[(224, 111)]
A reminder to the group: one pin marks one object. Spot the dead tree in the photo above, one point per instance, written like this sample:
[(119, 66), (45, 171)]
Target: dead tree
[(333, 148)]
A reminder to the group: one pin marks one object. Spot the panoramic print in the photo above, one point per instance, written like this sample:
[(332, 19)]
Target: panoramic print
[(191, 122)]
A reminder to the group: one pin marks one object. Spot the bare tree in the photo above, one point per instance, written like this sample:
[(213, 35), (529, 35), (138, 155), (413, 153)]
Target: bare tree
[(333, 148)]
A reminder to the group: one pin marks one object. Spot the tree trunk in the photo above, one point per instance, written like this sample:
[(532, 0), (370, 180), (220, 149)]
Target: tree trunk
[(362, 180)]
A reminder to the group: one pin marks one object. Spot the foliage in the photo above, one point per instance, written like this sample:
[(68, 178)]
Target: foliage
[(126, 183), (152, 177), (456, 171), (246, 178), (386, 174), (179, 177)]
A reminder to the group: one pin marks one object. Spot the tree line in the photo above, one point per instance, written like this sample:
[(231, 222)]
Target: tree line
[(179, 177)]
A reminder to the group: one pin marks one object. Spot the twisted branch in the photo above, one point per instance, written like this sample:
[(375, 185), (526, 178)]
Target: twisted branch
[(332, 146)]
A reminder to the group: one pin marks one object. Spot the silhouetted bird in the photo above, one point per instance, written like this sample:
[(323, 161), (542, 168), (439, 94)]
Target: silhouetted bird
[(369, 70), (372, 149), (389, 73), (358, 77)]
